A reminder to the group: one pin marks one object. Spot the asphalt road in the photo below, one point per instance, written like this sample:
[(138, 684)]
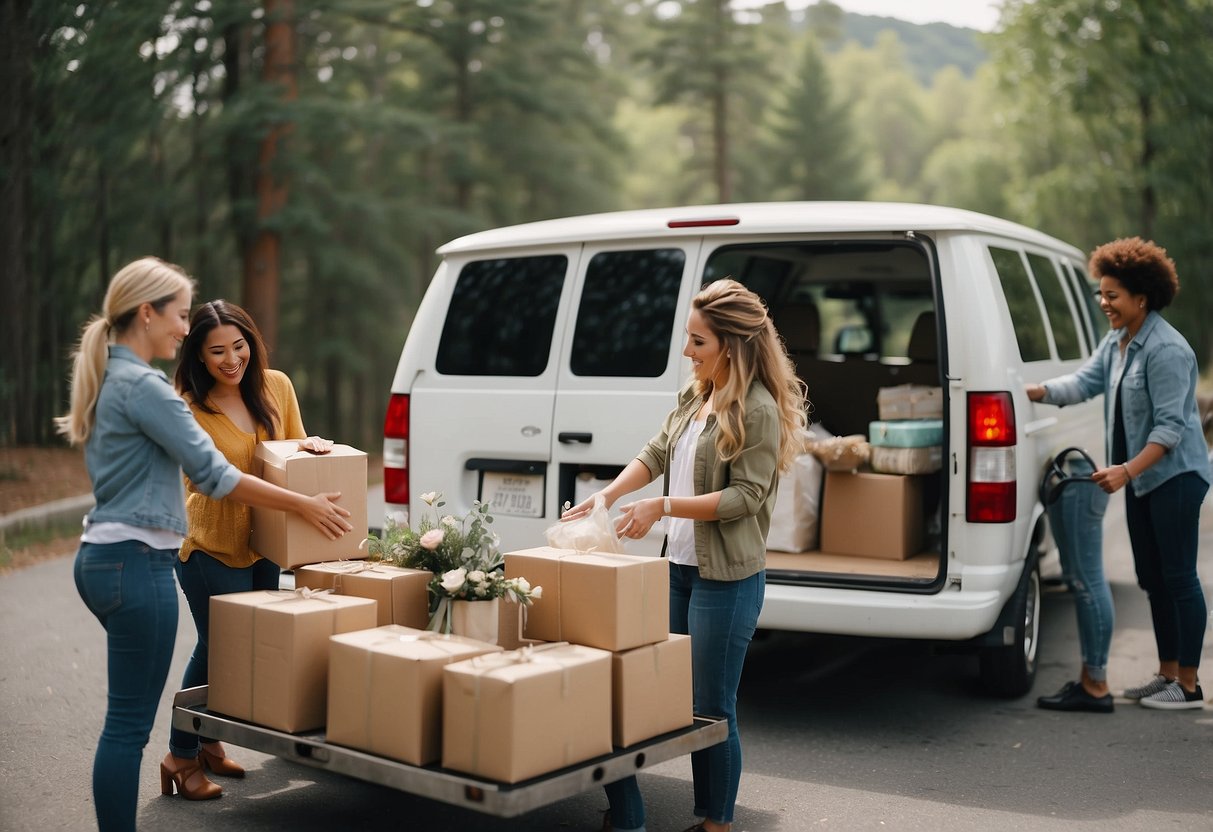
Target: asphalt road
[(839, 734)]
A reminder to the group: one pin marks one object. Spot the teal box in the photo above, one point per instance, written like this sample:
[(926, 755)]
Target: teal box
[(908, 433)]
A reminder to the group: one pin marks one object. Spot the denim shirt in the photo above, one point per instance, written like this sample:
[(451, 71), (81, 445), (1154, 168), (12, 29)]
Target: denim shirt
[(1157, 395), (734, 546), (143, 436)]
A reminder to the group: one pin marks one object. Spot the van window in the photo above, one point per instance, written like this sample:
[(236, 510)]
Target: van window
[(502, 316), (1021, 303), (1057, 308), (1088, 293), (626, 318)]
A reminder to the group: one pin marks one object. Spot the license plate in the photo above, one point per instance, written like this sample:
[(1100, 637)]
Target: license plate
[(513, 495)]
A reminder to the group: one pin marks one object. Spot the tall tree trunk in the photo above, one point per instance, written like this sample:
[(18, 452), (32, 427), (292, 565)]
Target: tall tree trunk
[(720, 108), (16, 377), (1149, 197), (103, 229), (239, 171), (263, 265)]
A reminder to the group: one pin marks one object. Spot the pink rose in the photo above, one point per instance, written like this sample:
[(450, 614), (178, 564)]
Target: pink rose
[(431, 539)]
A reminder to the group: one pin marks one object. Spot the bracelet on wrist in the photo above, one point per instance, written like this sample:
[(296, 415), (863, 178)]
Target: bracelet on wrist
[(666, 507), (1128, 473)]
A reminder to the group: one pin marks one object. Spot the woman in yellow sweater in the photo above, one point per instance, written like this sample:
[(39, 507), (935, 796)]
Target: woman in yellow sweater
[(239, 401)]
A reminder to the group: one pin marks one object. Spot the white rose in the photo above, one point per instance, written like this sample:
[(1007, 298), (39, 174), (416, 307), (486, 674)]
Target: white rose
[(522, 585), (450, 521), (431, 539), (476, 577), (453, 581)]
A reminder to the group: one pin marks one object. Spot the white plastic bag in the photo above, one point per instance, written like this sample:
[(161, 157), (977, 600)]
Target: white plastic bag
[(593, 532), (794, 518)]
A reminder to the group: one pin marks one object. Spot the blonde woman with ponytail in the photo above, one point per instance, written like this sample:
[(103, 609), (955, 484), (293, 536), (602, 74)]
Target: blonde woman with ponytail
[(138, 436), (720, 452)]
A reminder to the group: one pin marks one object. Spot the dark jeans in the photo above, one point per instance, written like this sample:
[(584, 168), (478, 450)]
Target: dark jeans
[(129, 587), (1164, 528), (201, 577), (720, 617)]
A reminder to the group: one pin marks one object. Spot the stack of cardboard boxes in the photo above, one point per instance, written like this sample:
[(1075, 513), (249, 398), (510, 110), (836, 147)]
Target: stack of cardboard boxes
[(347, 650)]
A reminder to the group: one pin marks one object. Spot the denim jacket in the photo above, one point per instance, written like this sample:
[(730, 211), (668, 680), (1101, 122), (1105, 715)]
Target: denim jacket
[(1158, 398), (733, 547), (143, 436)]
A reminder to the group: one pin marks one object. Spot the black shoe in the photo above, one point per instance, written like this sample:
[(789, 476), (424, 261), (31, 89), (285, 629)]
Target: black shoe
[(1074, 697)]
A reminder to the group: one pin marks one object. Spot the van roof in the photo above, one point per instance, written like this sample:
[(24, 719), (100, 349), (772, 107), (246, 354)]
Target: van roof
[(751, 218)]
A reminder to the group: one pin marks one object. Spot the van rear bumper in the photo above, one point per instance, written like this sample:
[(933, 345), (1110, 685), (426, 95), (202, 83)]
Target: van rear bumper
[(950, 615)]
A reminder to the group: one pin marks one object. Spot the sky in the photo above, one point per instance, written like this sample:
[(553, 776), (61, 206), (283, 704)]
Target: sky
[(974, 14)]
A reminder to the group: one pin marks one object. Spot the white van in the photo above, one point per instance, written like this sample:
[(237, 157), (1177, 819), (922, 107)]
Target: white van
[(544, 355)]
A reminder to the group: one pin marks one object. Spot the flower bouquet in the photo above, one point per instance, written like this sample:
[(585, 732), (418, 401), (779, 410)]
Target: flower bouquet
[(463, 554)]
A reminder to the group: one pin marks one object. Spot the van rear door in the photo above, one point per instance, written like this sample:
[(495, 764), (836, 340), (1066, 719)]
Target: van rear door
[(621, 364), (480, 410)]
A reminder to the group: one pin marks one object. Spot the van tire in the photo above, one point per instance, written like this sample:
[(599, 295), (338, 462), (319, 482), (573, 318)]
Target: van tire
[(1008, 671)]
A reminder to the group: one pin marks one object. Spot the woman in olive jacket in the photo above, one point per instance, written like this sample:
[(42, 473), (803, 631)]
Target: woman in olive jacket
[(720, 452)]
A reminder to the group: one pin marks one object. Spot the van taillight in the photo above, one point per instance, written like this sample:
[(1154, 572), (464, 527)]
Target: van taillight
[(396, 450), (990, 495)]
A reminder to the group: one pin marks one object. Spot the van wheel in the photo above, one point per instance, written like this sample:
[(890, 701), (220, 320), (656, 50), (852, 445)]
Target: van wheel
[(1009, 671)]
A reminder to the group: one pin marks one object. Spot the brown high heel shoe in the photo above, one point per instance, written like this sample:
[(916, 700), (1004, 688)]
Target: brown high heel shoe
[(218, 763), (188, 777)]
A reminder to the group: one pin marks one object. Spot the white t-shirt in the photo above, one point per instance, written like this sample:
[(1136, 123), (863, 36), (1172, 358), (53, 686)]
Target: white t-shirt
[(680, 537)]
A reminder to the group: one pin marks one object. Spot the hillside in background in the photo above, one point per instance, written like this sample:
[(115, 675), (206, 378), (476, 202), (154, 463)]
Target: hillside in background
[(928, 47)]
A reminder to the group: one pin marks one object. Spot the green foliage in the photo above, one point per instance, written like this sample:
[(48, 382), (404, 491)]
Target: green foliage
[(138, 128)]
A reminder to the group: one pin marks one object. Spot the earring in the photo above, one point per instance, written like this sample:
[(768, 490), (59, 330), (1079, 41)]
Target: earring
[(147, 325)]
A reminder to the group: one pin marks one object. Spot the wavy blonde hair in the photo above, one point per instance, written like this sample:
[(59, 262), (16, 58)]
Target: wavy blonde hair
[(147, 280), (740, 320)]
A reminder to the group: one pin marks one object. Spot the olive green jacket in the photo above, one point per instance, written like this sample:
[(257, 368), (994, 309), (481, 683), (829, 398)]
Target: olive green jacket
[(734, 546)]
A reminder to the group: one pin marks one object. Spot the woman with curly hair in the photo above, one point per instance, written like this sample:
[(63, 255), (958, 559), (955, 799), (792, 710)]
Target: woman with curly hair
[(721, 449), (1156, 452)]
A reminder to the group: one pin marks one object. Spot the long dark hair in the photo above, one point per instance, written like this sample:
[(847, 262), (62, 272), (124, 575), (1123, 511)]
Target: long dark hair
[(193, 378)]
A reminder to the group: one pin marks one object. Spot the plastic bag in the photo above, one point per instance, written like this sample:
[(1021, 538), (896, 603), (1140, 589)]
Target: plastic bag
[(794, 518), (593, 532)]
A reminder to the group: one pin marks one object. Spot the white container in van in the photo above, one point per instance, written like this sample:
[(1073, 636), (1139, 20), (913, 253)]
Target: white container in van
[(543, 356)]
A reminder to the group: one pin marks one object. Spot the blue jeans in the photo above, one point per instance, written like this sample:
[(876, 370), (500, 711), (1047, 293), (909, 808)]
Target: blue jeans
[(720, 617), (1164, 528), (1076, 517), (201, 577), (129, 587)]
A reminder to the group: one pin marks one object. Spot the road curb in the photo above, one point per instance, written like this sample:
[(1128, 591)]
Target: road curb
[(45, 516)]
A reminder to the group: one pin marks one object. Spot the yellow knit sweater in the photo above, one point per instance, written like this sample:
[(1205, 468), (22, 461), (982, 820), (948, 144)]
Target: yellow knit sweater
[(221, 528)]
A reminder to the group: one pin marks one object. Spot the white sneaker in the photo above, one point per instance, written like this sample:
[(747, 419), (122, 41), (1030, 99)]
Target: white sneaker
[(1157, 683), (1174, 698)]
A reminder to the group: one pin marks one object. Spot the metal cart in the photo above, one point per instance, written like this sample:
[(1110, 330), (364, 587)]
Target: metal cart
[(505, 800)]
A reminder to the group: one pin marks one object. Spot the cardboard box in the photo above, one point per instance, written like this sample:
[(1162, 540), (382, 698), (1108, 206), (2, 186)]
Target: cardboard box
[(907, 460), (614, 602), (651, 690), (385, 690), (921, 433), (269, 653), (286, 538), (402, 595), (510, 716), (872, 515), (910, 401)]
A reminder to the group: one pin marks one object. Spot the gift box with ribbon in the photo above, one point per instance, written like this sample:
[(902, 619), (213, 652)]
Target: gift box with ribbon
[(402, 594), (511, 716), (614, 602), (651, 690), (269, 653), (385, 690)]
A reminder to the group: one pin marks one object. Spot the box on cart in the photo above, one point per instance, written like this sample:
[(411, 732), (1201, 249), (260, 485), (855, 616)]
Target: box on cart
[(511, 716), (385, 690), (269, 653), (651, 690), (286, 538), (609, 601), (402, 595)]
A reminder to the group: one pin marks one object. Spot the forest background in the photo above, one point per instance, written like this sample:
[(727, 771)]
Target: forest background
[(306, 157)]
